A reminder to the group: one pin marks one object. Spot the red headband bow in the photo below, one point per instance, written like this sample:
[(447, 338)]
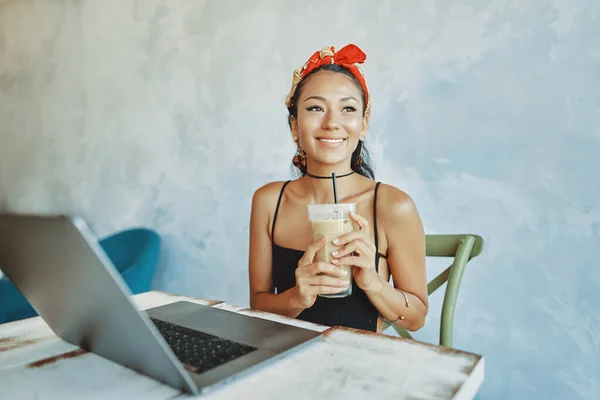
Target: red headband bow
[(346, 57)]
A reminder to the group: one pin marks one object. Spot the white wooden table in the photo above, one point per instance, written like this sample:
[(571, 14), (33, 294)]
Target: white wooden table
[(346, 364)]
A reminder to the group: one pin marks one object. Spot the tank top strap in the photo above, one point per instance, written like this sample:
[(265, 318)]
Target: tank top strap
[(378, 255), (277, 211), (376, 231)]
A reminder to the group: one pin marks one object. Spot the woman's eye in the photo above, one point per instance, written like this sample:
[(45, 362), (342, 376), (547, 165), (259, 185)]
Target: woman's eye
[(349, 109), (314, 108)]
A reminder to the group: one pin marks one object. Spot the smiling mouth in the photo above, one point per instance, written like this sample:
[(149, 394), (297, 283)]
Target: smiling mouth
[(326, 140)]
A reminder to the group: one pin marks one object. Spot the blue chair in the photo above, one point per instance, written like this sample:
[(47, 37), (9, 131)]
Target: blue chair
[(134, 253), (13, 305)]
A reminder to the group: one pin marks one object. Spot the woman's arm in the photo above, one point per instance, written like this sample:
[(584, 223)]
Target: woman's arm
[(405, 257), (406, 261), (262, 296)]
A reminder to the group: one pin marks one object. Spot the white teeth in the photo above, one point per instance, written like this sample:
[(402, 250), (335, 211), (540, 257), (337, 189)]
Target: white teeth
[(332, 140)]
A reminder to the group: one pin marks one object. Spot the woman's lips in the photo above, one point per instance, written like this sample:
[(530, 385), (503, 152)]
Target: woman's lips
[(331, 143)]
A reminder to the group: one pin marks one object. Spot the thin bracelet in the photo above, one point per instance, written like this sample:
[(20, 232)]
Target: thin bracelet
[(402, 316)]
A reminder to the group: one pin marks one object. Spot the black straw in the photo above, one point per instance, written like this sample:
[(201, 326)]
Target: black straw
[(335, 198)]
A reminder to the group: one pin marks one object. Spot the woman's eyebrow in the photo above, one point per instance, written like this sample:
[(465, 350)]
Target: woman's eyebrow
[(323, 99), (315, 98)]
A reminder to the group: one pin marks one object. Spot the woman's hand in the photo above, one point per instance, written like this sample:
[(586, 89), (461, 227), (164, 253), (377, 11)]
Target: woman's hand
[(314, 278), (358, 250)]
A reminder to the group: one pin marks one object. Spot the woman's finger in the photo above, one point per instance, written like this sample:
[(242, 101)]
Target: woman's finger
[(311, 250), (325, 280), (355, 261), (362, 223), (356, 235), (327, 269), (354, 246)]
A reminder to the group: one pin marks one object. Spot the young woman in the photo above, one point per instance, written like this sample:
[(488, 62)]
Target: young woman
[(328, 107)]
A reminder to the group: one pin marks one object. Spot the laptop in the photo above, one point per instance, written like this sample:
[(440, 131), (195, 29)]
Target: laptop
[(58, 265)]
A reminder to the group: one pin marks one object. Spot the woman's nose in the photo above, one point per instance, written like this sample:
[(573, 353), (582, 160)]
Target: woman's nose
[(331, 121)]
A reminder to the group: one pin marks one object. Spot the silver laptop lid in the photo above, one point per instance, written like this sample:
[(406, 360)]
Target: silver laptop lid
[(58, 265)]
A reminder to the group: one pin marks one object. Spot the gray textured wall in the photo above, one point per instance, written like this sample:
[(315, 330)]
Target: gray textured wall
[(170, 113)]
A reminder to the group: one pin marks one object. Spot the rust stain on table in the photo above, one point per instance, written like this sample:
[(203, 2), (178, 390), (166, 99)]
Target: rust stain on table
[(11, 343), (53, 359)]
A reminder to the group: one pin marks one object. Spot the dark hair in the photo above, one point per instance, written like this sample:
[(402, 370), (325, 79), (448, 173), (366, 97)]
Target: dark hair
[(365, 168)]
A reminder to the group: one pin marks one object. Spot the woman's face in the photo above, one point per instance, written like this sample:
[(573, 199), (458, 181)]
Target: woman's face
[(330, 118)]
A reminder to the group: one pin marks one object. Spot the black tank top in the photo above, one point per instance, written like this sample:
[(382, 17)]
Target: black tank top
[(354, 311)]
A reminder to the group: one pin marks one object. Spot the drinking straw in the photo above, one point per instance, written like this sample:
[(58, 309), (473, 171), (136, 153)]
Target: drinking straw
[(335, 197)]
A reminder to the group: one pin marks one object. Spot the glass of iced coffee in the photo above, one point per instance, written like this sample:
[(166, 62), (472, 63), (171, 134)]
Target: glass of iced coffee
[(331, 221)]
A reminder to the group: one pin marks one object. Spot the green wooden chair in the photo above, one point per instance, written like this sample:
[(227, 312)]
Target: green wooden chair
[(462, 248)]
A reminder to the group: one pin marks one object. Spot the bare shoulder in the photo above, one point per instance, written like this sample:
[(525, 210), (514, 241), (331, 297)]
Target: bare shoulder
[(395, 204), (402, 225), (268, 194), (264, 200)]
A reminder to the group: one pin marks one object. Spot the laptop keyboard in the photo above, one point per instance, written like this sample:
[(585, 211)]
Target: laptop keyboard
[(198, 351)]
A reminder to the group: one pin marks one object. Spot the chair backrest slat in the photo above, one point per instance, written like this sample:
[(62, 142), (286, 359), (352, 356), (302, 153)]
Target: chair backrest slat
[(447, 245), (455, 247)]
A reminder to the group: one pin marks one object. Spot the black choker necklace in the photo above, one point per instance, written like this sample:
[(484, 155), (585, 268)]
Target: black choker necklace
[(327, 177)]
